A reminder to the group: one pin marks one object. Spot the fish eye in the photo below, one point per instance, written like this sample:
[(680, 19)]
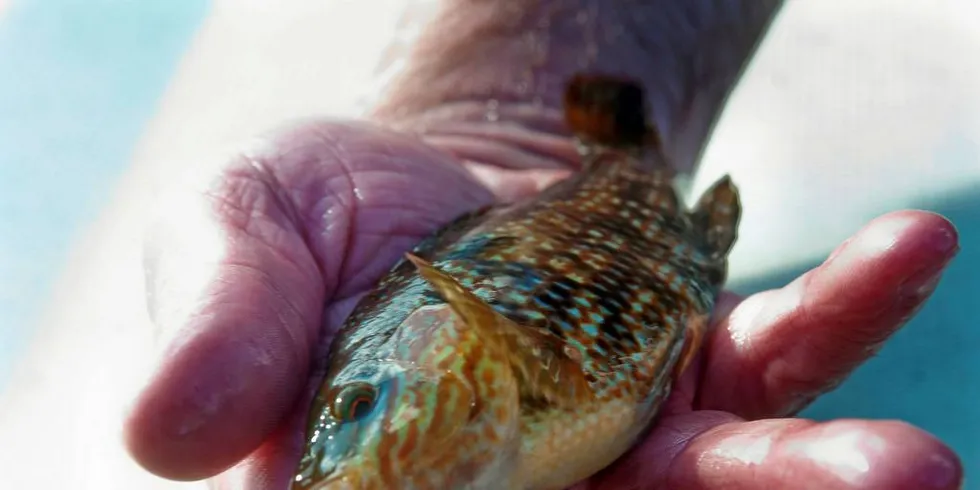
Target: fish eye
[(353, 402)]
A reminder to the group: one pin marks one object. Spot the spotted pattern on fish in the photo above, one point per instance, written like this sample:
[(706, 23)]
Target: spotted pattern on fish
[(527, 346)]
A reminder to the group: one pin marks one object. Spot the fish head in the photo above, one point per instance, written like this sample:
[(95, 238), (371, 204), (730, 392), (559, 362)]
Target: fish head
[(440, 410), (402, 427)]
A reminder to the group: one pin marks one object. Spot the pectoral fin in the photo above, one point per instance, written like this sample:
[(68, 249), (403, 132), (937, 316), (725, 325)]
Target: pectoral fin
[(539, 359)]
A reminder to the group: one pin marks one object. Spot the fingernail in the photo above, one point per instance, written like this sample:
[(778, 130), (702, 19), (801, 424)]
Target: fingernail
[(923, 282), (940, 472), (918, 287), (945, 240)]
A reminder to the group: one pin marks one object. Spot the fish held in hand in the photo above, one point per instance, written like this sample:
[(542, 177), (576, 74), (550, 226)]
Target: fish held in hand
[(528, 346)]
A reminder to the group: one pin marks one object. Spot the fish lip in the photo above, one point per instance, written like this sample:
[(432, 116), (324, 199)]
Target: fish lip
[(338, 480)]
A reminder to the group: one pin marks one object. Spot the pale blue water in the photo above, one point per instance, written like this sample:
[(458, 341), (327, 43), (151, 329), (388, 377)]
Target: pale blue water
[(78, 81)]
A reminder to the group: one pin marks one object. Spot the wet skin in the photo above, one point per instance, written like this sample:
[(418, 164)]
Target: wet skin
[(317, 214)]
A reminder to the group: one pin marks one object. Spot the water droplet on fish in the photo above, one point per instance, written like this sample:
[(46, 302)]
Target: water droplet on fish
[(492, 113)]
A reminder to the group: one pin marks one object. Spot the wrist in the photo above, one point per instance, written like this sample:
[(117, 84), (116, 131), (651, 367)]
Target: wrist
[(494, 72)]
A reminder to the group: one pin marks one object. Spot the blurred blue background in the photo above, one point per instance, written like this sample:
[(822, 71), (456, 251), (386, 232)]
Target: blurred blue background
[(76, 93)]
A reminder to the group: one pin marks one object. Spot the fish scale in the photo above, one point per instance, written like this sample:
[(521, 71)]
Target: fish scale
[(605, 263), (528, 346)]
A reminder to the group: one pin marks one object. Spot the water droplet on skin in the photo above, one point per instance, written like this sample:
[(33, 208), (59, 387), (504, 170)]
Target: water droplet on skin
[(492, 113), (358, 194)]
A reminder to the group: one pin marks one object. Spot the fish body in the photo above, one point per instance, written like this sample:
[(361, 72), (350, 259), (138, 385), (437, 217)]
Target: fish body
[(528, 346)]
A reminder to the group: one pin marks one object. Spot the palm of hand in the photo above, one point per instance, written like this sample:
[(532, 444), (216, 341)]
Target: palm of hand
[(321, 214)]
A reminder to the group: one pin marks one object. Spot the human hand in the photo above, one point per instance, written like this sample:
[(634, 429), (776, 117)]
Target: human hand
[(251, 276)]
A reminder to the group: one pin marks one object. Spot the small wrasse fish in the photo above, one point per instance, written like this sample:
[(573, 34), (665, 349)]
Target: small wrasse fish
[(528, 346)]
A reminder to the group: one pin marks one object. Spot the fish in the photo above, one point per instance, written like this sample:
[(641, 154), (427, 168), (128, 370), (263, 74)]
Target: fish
[(529, 345)]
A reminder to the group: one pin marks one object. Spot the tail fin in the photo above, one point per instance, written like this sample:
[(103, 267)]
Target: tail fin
[(717, 215), (608, 111)]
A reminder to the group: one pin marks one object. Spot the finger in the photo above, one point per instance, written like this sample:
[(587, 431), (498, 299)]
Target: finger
[(512, 185), (273, 465), (239, 276), (710, 450), (780, 349)]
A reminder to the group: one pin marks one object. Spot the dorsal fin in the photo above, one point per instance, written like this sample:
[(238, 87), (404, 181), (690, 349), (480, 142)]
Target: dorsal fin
[(608, 111), (716, 217), (539, 359)]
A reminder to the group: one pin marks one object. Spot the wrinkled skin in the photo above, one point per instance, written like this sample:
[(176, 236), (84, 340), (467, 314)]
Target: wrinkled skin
[(317, 214)]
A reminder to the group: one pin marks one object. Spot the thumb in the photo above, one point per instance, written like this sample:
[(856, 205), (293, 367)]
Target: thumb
[(241, 273)]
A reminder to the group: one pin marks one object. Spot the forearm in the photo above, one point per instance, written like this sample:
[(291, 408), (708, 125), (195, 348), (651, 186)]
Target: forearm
[(429, 66), (491, 63)]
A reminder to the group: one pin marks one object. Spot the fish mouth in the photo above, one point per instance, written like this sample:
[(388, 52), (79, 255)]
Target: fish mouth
[(341, 480), (338, 482)]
